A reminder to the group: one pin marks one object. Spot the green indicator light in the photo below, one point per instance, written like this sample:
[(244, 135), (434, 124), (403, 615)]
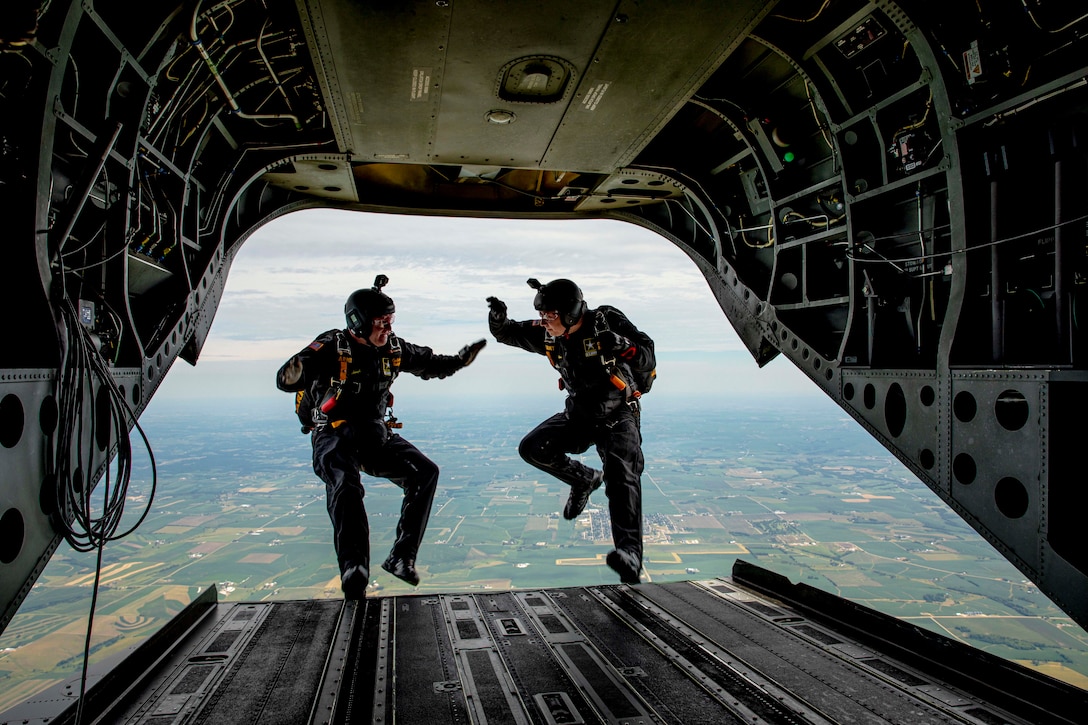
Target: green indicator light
[(788, 157)]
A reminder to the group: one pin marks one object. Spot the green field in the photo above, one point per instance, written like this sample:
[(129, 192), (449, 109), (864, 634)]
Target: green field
[(805, 493)]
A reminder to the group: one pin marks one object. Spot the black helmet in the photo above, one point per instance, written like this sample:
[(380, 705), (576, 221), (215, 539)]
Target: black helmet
[(560, 295), (365, 304)]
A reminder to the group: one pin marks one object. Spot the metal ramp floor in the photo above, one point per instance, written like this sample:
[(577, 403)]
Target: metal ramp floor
[(750, 649)]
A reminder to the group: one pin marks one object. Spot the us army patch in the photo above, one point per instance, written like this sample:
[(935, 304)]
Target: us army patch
[(590, 346)]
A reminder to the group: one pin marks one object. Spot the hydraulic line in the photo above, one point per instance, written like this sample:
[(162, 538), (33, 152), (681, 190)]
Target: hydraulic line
[(199, 45)]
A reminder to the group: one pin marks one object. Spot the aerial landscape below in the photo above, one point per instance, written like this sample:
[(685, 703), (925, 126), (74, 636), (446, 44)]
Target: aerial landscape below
[(798, 488)]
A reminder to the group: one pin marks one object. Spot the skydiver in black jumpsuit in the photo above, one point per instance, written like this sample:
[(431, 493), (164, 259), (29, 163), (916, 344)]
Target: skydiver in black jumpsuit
[(578, 342), (343, 379)]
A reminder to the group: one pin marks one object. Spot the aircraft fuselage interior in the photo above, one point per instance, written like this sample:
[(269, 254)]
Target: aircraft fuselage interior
[(892, 195)]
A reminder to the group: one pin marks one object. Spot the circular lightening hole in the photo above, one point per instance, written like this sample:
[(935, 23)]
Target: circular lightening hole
[(868, 396), (926, 395), (964, 469), (895, 410), (103, 416), (11, 420), (1011, 497), (964, 406), (48, 415), (11, 535), (1011, 410)]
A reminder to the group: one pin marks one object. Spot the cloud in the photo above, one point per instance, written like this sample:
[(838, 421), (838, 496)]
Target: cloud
[(289, 281)]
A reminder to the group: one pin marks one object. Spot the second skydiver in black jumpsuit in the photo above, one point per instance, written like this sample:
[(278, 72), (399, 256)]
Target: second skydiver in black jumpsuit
[(599, 355)]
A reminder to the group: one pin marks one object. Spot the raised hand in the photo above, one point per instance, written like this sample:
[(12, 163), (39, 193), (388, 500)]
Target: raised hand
[(468, 353), (498, 309)]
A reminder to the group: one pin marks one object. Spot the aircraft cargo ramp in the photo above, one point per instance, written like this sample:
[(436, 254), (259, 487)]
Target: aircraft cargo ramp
[(753, 648)]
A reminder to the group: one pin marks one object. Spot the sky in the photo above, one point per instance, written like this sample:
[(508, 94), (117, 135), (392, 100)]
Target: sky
[(289, 281)]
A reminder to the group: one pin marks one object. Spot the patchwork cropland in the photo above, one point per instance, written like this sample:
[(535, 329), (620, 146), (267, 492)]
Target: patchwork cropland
[(798, 488)]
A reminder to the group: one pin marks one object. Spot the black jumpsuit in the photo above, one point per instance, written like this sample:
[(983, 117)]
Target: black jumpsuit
[(356, 438), (596, 413)]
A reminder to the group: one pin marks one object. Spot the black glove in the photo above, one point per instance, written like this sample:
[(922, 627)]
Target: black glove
[(291, 372), (612, 342), (498, 309), (468, 353)]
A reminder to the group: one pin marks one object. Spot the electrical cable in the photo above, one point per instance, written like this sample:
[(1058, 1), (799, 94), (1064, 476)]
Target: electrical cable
[(900, 235), (883, 258), (694, 221), (919, 123), (268, 65), (814, 221), (804, 20), (822, 126), (1068, 25), (83, 366), (216, 73), (74, 519), (998, 117), (769, 228), (922, 249), (100, 262), (934, 255), (218, 195), (87, 639), (90, 240), (691, 181)]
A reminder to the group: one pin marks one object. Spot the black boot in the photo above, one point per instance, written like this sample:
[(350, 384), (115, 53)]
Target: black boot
[(625, 565), (579, 497), (353, 582), (403, 569)]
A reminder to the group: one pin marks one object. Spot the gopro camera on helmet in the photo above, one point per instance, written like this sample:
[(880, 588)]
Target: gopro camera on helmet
[(366, 304), (562, 296)]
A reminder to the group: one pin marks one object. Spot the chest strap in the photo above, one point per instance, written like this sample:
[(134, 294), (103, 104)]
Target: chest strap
[(612, 370), (600, 325), (336, 385)]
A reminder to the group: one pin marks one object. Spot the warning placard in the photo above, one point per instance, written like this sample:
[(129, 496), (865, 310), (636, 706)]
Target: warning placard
[(421, 84), (594, 96)]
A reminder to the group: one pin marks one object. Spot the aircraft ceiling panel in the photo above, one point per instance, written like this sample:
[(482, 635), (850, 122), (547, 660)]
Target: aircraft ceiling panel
[(386, 60), (501, 102), (652, 59)]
